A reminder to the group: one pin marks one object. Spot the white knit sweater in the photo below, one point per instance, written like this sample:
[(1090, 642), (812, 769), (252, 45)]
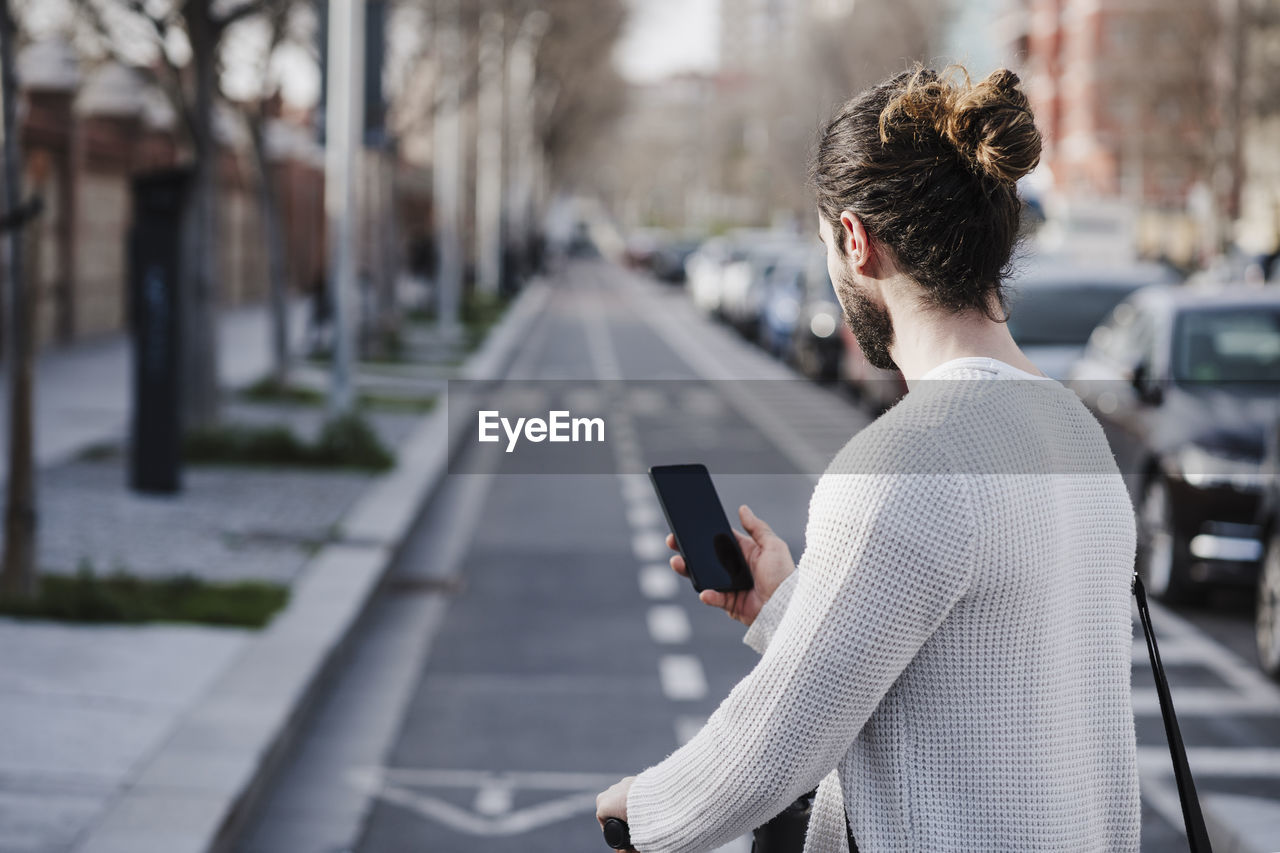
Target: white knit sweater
[(955, 644)]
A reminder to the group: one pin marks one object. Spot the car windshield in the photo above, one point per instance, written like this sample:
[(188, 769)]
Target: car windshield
[(1060, 315), (1234, 345)]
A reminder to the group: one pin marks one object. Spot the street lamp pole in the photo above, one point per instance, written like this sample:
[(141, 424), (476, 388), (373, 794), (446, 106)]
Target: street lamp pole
[(521, 71), (344, 124), (489, 171), (447, 168)]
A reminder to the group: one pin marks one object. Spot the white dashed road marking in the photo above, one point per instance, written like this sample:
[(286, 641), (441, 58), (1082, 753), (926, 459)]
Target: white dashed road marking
[(687, 727), (649, 545), (658, 581), (682, 677), (644, 514), (668, 624)]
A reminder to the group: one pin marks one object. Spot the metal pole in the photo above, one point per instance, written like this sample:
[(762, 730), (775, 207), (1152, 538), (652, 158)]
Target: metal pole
[(489, 171), (17, 574), (521, 70), (447, 169), (343, 121)]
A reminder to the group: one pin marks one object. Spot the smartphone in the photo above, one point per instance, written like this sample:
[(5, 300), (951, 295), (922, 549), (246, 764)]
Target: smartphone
[(703, 535)]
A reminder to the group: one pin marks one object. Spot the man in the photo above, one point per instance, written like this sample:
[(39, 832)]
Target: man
[(951, 658)]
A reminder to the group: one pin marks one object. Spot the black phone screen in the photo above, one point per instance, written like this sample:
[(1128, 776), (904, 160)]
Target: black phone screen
[(703, 535)]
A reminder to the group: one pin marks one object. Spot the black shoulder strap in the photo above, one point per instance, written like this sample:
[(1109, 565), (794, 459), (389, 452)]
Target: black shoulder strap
[(1197, 834)]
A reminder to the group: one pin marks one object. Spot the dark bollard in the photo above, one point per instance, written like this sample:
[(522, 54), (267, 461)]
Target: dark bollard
[(155, 262)]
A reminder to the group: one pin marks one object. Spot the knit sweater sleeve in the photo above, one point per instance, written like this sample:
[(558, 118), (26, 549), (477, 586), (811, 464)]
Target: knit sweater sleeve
[(766, 621), (887, 557)]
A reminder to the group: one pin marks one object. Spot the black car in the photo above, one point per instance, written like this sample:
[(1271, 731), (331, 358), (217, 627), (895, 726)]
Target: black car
[(667, 262), (1185, 384), (1054, 304)]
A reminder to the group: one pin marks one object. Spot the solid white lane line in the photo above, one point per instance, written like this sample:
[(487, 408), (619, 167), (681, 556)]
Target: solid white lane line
[(1246, 761), (669, 624), (649, 545), (687, 727), (682, 677), (659, 581), (1208, 701)]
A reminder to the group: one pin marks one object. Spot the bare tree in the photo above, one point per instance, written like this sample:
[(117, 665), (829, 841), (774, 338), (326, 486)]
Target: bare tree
[(257, 112), (185, 38), (579, 93), (17, 575)]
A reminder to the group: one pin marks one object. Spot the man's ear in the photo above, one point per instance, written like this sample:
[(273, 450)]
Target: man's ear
[(855, 241)]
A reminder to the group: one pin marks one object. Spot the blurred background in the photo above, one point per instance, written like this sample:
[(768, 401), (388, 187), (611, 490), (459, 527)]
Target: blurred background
[(259, 593)]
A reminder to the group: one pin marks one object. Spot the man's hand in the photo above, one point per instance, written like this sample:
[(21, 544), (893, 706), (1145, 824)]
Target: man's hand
[(613, 802), (770, 562)]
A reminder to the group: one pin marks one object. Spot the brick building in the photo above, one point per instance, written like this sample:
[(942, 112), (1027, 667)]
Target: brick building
[(1139, 101), (85, 133)]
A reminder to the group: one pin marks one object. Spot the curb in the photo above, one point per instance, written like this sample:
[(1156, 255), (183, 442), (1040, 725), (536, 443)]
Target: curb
[(195, 794)]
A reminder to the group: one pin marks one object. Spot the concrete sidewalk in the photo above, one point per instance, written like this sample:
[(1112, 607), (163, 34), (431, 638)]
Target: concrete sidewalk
[(83, 390), (159, 737)]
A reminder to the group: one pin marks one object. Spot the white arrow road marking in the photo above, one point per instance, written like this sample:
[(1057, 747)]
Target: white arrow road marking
[(668, 623), (659, 581), (495, 792), (494, 800), (682, 677)]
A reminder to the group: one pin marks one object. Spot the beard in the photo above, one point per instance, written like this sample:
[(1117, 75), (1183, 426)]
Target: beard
[(870, 323)]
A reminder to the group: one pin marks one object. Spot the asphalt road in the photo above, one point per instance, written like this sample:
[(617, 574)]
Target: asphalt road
[(531, 647)]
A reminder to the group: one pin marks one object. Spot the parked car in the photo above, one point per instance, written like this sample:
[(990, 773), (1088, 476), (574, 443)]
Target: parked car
[(1267, 603), (641, 246), (667, 263), (719, 270), (746, 280), (1185, 383), (815, 345), (780, 309), (877, 389), (1054, 305), (704, 272)]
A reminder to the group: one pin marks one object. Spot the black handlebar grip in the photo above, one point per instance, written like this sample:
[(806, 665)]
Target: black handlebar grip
[(617, 834)]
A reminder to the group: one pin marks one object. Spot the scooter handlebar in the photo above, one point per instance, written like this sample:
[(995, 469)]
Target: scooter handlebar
[(617, 834)]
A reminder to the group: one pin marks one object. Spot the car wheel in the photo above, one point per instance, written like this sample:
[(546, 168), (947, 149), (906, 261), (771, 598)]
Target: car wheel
[(1163, 571), (1267, 618)]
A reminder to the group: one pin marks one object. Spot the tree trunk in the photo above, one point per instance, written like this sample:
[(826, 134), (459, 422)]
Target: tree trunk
[(17, 576), (277, 257), (200, 250)]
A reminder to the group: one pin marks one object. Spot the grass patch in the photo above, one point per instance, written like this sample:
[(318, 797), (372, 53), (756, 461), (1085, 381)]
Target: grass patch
[(267, 390), (480, 312), (104, 451), (345, 442), (412, 404), (122, 597)]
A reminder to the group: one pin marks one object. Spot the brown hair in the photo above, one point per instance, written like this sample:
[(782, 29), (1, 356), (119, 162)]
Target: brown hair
[(930, 166)]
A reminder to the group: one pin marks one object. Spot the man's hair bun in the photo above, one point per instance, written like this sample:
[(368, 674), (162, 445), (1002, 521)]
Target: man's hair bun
[(989, 124)]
